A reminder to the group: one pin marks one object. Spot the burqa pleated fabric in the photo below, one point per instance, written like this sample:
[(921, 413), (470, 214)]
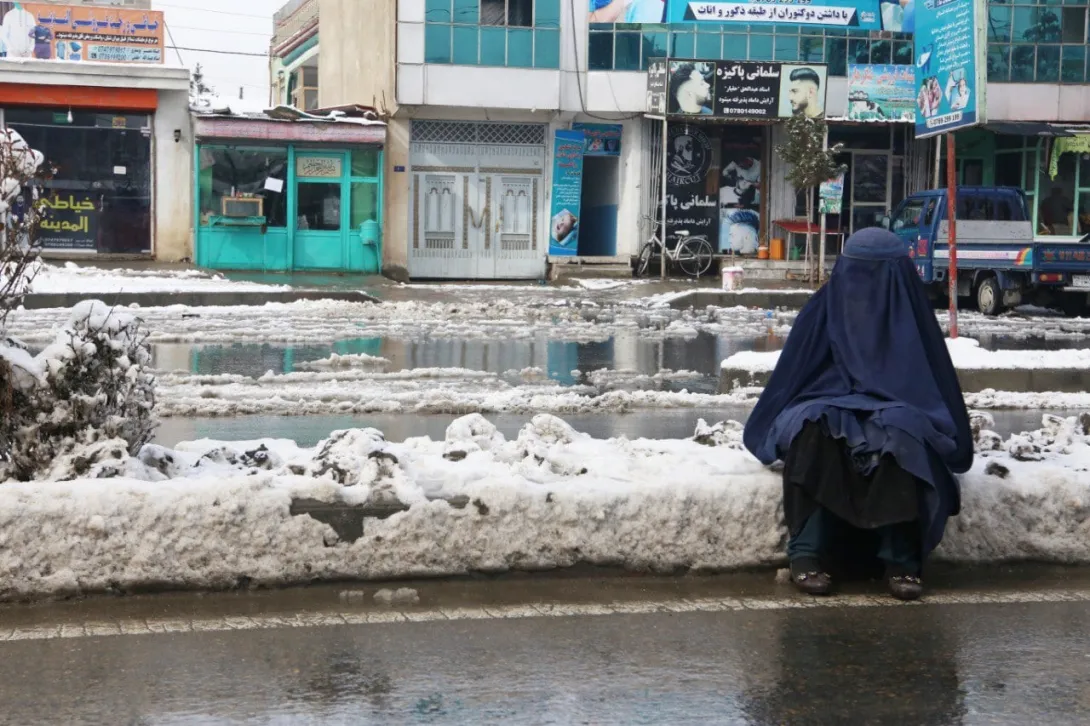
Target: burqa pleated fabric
[(866, 359)]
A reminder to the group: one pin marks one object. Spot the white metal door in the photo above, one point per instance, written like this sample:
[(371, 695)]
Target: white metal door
[(439, 243), (515, 249)]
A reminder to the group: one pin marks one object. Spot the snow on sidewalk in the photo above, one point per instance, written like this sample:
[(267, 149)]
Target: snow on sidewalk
[(210, 515), (965, 352), (82, 279)]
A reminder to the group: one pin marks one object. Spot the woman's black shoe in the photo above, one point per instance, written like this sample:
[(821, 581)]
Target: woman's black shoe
[(808, 577), (905, 587)]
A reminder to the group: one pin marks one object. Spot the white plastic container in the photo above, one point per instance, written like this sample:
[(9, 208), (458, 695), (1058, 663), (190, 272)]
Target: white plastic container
[(732, 278)]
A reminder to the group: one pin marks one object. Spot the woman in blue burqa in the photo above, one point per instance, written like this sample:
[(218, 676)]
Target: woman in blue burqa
[(866, 413)]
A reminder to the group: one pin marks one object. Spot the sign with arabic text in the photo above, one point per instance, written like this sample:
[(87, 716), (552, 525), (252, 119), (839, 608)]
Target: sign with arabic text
[(656, 86), (950, 49), (834, 13), (75, 33), (319, 167), (881, 93), (601, 139), (567, 193), (69, 222), (745, 89)]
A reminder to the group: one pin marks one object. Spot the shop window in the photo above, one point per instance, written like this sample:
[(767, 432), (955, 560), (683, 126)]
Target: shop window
[(364, 199), (1056, 198), (240, 172), (319, 206), (999, 23), (100, 197), (1073, 64), (1074, 25), (437, 11), (365, 163)]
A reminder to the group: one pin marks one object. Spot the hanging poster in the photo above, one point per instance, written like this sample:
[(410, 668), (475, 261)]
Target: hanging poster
[(75, 33), (656, 86), (691, 182), (831, 195), (601, 139), (740, 190), (567, 193), (950, 48), (881, 93), (744, 89)]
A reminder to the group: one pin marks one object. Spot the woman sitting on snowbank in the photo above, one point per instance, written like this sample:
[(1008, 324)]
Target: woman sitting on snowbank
[(865, 410)]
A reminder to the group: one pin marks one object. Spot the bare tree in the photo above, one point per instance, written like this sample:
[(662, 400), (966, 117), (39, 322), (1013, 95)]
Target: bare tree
[(21, 171)]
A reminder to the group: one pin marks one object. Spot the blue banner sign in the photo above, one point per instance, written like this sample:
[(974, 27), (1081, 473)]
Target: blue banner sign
[(949, 51), (892, 15), (567, 193)]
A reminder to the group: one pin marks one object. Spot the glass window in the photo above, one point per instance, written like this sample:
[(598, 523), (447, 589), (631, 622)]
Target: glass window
[(1023, 62), (467, 11), (520, 48), (683, 45), (975, 207), (627, 47), (867, 216), (240, 171), (786, 48), (735, 46), (599, 51), (1025, 23), (493, 46), (1074, 25), (708, 46), (836, 55), (902, 52), (547, 14), (811, 50), (880, 52), (364, 198), (654, 46), (999, 63), (859, 51), (436, 43), (999, 23), (319, 206), (1073, 64), (870, 174), (1048, 63), (517, 13), (365, 163), (465, 44), (909, 216), (1056, 198), (437, 11), (1084, 212), (760, 47), (546, 49)]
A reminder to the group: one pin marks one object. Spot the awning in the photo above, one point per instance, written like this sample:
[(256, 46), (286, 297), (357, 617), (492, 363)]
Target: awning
[(1026, 128)]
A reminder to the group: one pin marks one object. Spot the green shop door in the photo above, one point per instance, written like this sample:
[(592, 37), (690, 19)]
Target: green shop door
[(321, 211)]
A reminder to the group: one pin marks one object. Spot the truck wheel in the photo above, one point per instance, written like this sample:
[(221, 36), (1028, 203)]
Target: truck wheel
[(1073, 306), (989, 297)]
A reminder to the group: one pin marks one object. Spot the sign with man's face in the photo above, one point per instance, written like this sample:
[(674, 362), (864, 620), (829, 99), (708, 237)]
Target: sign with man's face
[(737, 89)]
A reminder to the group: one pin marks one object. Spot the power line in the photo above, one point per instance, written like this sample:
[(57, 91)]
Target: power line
[(220, 30), (219, 52), (218, 12)]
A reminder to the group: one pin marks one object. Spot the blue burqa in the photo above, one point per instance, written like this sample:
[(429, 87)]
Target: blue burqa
[(867, 359)]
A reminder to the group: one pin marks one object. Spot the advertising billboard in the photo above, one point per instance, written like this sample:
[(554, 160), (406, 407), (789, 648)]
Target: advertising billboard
[(738, 89), (80, 33), (950, 51), (891, 15), (881, 93)]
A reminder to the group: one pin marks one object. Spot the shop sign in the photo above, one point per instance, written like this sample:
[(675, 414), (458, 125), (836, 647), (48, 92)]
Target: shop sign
[(831, 195), (601, 139), (889, 15), (691, 204), (950, 48), (656, 87), (319, 167), (744, 89), (567, 193), (69, 222), (74, 33), (881, 93)]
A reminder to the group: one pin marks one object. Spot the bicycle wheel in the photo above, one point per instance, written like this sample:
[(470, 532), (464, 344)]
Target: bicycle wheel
[(695, 256), (643, 262)]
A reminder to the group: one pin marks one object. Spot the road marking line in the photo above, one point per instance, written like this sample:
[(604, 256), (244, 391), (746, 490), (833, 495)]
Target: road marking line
[(150, 626)]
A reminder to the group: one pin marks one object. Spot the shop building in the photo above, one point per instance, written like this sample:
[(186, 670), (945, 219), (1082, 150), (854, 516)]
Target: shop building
[(284, 191), (113, 122), (480, 94)]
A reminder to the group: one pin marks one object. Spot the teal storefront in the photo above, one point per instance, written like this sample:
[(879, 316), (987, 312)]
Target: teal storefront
[(287, 196)]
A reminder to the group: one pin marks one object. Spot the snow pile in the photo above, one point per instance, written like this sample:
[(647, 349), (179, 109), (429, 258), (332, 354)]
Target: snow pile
[(82, 279), (965, 352), (211, 515), (87, 396), (349, 360)]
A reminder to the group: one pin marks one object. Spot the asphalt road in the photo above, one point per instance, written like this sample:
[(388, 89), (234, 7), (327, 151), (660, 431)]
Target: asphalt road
[(1003, 646)]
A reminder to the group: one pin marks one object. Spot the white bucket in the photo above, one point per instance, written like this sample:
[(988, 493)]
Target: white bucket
[(732, 278)]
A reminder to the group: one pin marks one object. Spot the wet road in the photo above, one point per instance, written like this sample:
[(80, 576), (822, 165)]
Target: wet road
[(562, 650)]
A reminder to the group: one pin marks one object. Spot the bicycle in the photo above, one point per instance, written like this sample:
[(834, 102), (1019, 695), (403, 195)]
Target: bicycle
[(692, 253)]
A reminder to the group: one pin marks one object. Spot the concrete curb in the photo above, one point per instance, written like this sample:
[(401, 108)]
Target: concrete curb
[(42, 301), (1040, 380), (768, 299)]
